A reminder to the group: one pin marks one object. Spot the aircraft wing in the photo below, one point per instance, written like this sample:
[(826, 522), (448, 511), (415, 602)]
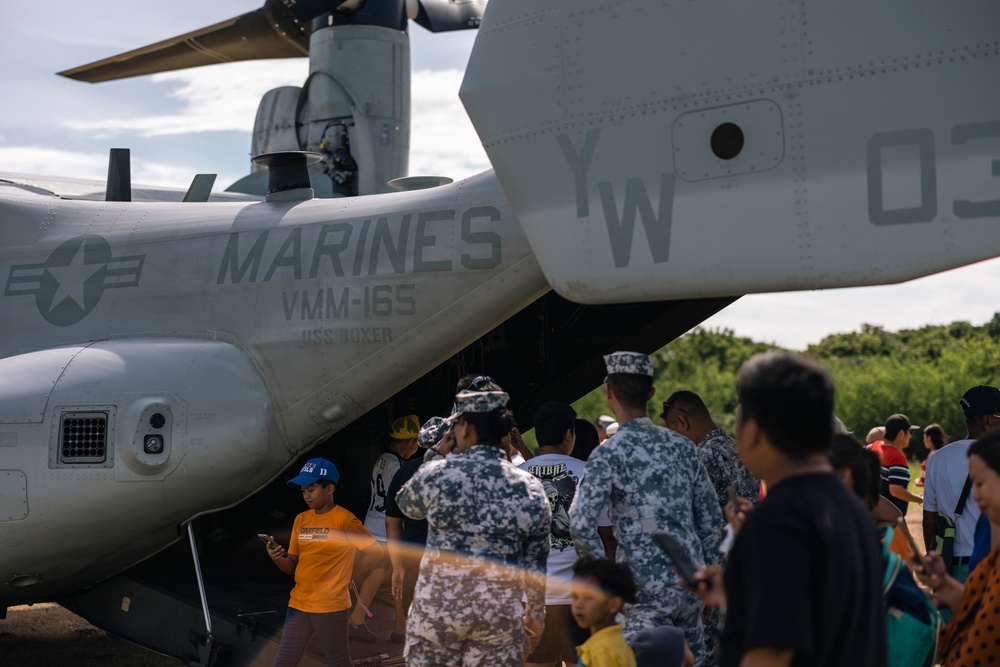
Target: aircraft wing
[(263, 33), (81, 188)]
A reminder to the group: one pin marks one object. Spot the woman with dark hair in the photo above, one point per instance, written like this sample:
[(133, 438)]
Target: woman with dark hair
[(934, 439), (487, 546), (972, 637), (860, 469), (587, 440)]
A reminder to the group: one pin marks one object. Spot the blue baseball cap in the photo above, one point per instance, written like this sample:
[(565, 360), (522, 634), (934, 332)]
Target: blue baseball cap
[(315, 470)]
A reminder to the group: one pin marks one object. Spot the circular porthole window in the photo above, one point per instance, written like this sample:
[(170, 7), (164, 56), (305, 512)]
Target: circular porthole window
[(727, 141)]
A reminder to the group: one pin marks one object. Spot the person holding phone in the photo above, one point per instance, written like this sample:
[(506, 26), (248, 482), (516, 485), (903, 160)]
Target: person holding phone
[(971, 637), (784, 582), (320, 555)]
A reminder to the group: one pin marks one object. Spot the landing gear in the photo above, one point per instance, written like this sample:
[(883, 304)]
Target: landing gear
[(208, 650)]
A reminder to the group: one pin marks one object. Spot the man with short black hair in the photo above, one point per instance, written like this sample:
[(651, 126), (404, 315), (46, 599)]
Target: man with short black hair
[(684, 412), (947, 474), (809, 538), (651, 481), (895, 469), (560, 473)]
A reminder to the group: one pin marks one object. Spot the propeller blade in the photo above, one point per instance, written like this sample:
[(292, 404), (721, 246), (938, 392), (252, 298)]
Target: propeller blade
[(445, 15), (279, 29)]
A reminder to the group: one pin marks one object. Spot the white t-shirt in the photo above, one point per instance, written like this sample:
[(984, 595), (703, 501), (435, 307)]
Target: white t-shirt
[(560, 475), (943, 482), (383, 471)]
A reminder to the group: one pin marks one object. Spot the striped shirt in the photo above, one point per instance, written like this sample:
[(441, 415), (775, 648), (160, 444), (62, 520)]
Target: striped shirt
[(895, 471)]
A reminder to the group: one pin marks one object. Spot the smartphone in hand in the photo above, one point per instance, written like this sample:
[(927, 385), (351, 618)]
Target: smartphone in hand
[(680, 557), (733, 497), (265, 538)]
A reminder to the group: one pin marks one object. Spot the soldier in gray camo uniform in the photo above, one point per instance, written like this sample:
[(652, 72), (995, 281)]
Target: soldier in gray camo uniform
[(487, 546), (651, 481), (685, 413)]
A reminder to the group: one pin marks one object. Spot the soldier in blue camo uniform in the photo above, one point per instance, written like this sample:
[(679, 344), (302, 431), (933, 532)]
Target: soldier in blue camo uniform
[(685, 413), (651, 480), (487, 547)]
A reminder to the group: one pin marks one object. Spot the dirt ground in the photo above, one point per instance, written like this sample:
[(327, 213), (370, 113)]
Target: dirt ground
[(46, 634)]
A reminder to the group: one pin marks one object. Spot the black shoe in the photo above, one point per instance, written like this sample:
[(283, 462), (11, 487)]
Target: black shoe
[(361, 633), (398, 637)]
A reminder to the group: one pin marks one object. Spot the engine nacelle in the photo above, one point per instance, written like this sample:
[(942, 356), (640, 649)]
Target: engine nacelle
[(112, 446), (342, 111)]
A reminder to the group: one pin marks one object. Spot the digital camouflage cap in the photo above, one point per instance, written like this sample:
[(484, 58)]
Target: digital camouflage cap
[(478, 401), (432, 431), (630, 363)]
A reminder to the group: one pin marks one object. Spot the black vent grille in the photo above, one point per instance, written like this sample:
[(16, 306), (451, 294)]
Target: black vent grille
[(83, 437)]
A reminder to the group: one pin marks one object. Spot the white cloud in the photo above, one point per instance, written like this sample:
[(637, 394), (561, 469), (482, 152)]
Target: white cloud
[(797, 319), (442, 139), (94, 166), (213, 99), (225, 98), (40, 160)]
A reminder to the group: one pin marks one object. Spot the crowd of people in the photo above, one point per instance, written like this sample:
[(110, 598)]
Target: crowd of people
[(623, 543)]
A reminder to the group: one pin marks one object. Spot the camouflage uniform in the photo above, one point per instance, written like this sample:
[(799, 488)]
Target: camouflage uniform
[(717, 452), (651, 480), (489, 525)]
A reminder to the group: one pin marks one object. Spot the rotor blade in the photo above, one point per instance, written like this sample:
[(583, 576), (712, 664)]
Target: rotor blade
[(269, 32), (445, 15)]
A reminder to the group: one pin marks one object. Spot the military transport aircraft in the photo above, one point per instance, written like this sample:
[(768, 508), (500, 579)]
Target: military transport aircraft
[(166, 362)]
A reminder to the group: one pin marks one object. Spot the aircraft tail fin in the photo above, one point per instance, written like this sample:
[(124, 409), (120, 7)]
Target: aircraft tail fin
[(677, 150)]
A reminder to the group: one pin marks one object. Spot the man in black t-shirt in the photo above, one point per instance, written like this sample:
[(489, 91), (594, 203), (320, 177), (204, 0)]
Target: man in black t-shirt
[(803, 581), (406, 536)]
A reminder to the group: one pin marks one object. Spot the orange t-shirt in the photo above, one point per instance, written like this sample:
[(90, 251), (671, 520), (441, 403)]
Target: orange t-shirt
[(326, 545)]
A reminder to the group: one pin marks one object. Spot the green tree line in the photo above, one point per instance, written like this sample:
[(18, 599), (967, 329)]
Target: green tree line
[(921, 373)]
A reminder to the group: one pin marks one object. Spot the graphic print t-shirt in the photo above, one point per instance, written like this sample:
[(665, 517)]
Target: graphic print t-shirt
[(559, 475), (386, 466), (326, 545)]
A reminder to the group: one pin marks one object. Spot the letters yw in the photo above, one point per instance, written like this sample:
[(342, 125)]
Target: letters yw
[(636, 201)]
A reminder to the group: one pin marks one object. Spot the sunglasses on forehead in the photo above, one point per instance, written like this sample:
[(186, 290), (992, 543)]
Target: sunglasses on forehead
[(481, 381), (667, 407)]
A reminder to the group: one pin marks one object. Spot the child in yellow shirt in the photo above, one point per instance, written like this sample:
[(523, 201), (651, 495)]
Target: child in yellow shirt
[(600, 589)]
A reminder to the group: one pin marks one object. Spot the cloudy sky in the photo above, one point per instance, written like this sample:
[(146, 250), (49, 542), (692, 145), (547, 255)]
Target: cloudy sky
[(200, 120)]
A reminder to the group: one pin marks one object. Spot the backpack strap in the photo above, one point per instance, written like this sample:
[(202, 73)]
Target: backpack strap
[(960, 507)]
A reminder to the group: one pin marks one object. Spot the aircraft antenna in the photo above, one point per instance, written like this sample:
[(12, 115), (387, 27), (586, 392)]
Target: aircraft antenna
[(119, 187)]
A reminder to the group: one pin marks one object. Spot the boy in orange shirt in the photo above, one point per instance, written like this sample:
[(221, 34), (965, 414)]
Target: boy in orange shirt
[(324, 541)]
